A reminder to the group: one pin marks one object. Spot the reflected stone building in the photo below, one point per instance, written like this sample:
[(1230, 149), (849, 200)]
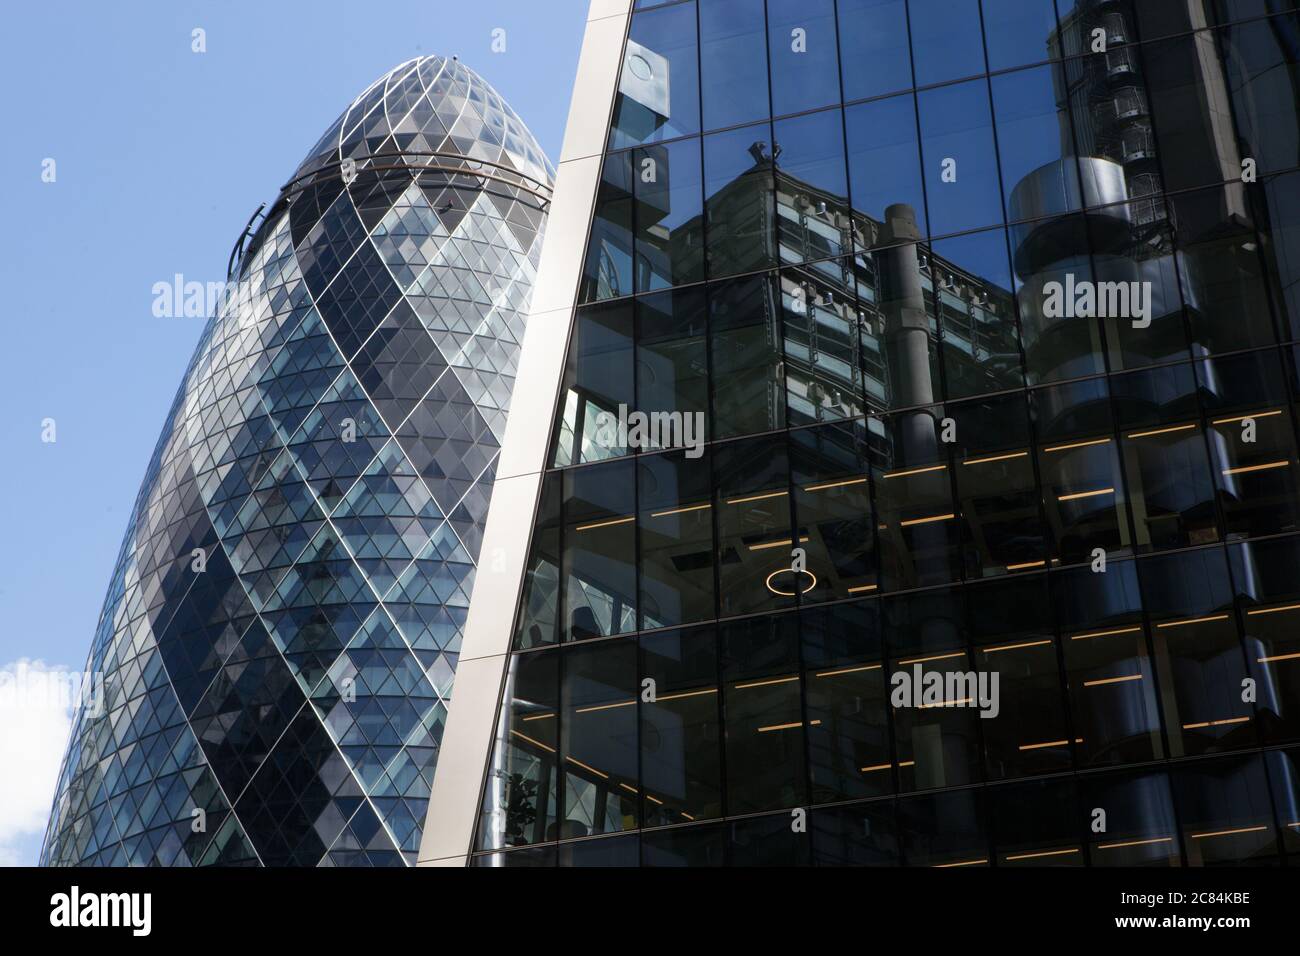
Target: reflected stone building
[(281, 632), (830, 227)]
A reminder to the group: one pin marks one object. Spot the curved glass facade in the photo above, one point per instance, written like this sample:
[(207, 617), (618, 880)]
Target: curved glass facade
[(280, 635), (987, 312)]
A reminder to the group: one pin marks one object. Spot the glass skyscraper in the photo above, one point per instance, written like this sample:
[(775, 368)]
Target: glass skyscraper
[(989, 311), (280, 636)]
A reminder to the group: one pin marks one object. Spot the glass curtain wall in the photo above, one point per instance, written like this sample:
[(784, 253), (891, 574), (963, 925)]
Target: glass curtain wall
[(986, 313)]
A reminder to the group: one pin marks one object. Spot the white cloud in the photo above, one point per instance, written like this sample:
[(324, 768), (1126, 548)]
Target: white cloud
[(36, 717)]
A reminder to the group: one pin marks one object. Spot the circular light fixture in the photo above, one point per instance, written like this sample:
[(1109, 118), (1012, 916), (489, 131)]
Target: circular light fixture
[(812, 582), (639, 66)]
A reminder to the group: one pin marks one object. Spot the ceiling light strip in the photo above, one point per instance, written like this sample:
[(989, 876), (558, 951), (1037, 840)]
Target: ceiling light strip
[(1076, 495), (1194, 620), (760, 497), (1248, 469), (680, 511), (836, 484), (604, 524), (1242, 418), (1162, 431), (1111, 680), (992, 458), (1078, 444), (909, 472), (915, 521)]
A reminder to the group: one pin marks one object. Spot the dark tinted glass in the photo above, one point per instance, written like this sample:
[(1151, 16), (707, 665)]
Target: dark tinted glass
[(961, 169), (945, 40), (803, 45), (874, 51), (733, 62), (658, 91), (738, 200)]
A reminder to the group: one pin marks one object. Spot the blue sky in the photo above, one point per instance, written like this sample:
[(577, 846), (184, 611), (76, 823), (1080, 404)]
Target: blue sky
[(161, 155)]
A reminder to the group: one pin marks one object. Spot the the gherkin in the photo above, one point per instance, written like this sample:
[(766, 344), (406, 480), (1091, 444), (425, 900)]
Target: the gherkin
[(330, 453)]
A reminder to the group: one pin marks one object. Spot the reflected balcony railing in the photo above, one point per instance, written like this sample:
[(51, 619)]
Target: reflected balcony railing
[(1121, 62), (1138, 142)]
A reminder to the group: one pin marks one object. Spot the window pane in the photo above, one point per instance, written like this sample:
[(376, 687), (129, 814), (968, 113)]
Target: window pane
[(833, 507), (539, 608), (533, 857), (884, 167), (1012, 627), (1260, 58), (1194, 147), (918, 530), (616, 851), (1078, 19), (1037, 824), (754, 540), (1036, 144), (672, 360), (733, 62), (1078, 465), (1141, 828), (669, 215), (519, 801), (1277, 208), (1018, 32), (848, 730), (822, 351), (1225, 813), (764, 723), (739, 203), (805, 61), (676, 540), (1107, 664), (748, 387), (873, 40), (598, 729), (1220, 269), (944, 829), (681, 739), (767, 841), (1198, 652), (971, 279), (1252, 443), (1051, 259), (658, 88), (688, 846), (961, 170), (1284, 779), (862, 834), (1162, 18), (599, 551), (945, 40), (935, 696), (1269, 594), (812, 187), (1133, 242), (597, 382), (1002, 520), (897, 324), (608, 270), (1170, 488)]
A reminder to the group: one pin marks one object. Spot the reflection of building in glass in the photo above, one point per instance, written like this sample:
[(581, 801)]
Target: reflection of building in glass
[(280, 636), (910, 462)]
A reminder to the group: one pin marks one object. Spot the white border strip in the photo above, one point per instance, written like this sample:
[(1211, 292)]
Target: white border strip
[(468, 737)]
